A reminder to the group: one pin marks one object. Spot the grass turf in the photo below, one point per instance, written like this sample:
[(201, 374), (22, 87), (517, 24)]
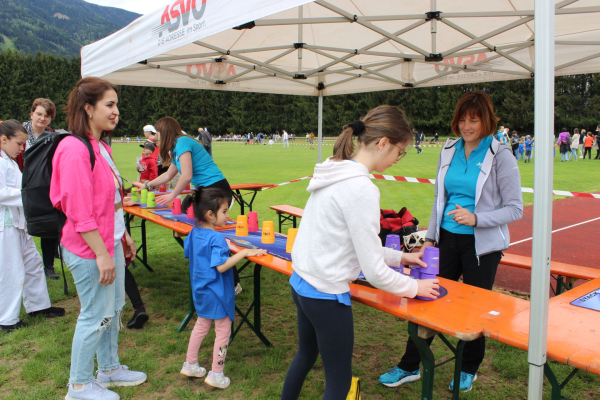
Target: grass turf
[(35, 360)]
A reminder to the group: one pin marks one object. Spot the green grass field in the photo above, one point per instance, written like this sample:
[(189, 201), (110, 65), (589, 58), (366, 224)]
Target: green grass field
[(35, 361)]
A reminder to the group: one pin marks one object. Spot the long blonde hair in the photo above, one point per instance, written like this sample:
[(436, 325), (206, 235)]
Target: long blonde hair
[(382, 121)]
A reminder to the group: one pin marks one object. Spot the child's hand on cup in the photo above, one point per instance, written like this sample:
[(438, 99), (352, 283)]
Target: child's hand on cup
[(255, 252), (428, 288), (413, 259)]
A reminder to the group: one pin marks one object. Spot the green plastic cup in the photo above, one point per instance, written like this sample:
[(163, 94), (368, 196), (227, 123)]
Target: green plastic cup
[(151, 199), (135, 196), (144, 196)]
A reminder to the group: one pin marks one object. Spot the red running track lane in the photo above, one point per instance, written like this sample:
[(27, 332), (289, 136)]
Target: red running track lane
[(575, 245)]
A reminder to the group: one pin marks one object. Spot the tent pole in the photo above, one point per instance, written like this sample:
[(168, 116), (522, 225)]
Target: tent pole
[(542, 197), (433, 28), (320, 128)]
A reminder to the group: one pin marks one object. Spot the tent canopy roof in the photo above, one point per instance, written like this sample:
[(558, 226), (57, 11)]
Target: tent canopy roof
[(340, 46)]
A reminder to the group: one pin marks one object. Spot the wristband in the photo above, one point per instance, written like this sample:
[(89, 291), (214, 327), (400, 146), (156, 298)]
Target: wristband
[(147, 185)]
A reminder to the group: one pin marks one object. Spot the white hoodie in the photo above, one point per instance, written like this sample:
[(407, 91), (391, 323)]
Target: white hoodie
[(338, 233)]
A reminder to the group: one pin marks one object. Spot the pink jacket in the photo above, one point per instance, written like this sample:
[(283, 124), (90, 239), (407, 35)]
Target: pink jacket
[(86, 197)]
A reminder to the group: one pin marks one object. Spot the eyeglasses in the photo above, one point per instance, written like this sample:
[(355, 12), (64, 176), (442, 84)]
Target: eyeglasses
[(403, 152)]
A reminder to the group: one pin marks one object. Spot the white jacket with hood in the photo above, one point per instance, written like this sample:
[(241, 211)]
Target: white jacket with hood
[(338, 234)]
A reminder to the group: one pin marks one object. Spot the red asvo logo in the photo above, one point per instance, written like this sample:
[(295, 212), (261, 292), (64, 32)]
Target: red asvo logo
[(462, 60), (178, 14)]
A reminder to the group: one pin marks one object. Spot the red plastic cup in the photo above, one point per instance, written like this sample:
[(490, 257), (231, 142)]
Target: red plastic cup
[(188, 187), (252, 221), (190, 212), (162, 188), (177, 206)]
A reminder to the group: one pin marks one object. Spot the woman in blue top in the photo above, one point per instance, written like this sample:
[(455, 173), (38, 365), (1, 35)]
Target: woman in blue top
[(477, 193), (186, 156)]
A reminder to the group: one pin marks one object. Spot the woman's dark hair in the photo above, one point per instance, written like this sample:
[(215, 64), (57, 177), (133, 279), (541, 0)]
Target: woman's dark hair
[(476, 104), (576, 130), (87, 91), (10, 128), (46, 104), (204, 200), (382, 121)]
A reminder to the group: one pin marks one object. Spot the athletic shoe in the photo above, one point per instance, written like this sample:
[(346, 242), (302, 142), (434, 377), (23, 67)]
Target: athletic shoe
[(192, 370), (122, 376), (217, 380), (397, 376), (466, 382), (139, 319), (50, 273), (91, 391), (10, 328), (50, 312)]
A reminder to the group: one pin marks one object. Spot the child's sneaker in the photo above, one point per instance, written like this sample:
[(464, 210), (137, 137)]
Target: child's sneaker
[(397, 376), (122, 376), (466, 382), (217, 379), (192, 370), (91, 391)]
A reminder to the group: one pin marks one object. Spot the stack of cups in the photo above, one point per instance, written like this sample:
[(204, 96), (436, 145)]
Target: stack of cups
[(190, 212), (393, 242), (431, 257), (144, 196), (177, 206), (151, 199), (268, 233), (252, 221), (241, 227), (135, 196), (291, 237)]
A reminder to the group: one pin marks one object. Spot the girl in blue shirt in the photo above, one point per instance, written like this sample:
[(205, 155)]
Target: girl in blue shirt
[(211, 277), (188, 157)]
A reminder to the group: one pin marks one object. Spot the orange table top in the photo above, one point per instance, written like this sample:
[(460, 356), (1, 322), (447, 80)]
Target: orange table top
[(573, 332), (557, 268), (250, 186)]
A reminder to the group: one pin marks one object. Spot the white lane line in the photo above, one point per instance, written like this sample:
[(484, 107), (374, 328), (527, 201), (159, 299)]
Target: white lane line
[(561, 229)]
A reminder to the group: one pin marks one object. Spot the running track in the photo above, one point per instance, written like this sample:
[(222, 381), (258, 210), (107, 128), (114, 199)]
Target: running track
[(576, 245)]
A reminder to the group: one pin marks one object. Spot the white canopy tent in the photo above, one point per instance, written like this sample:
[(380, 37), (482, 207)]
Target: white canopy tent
[(324, 48)]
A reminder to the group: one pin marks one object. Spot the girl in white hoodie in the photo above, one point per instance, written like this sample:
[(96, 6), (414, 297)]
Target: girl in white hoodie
[(338, 237)]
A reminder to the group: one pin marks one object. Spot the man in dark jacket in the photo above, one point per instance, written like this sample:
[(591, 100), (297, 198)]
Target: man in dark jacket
[(417, 141)]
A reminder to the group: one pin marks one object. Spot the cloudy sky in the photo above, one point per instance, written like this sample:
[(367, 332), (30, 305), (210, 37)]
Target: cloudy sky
[(138, 6)]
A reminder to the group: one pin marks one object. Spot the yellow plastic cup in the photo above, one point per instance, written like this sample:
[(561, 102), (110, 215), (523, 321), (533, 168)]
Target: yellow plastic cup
[(151, 199), (291, 237), (144, 196), (135, 196), (241, 227), (268, 233)]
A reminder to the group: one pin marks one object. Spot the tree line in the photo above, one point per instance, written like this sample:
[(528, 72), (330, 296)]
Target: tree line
[(26, 77)]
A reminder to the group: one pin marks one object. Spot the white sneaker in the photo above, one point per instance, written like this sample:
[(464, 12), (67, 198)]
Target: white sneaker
[(192, 370), (237, 289), (217, 380), (91, 391), (122, 376)]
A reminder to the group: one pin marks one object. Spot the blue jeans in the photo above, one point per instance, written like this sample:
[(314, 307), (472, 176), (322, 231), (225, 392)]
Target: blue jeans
[(99, 322)]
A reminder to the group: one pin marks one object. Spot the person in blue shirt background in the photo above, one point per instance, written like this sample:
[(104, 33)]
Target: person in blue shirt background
[(186, 156), (528, 149), (211, 277)]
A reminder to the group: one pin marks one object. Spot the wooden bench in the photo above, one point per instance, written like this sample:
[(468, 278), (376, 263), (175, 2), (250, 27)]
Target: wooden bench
[(287, 213), (564, 274), (573, 334)]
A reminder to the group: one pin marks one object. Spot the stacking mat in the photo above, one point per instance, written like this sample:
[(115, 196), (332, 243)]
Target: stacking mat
[(252, 241), (168, 214)]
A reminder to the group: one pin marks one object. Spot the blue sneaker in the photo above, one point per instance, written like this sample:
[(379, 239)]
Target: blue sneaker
[(397, 376), (466, 382)]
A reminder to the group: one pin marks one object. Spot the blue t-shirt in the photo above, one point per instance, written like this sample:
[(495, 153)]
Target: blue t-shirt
[(305, 289), (205, 171), (521, 147), (528, 144), (461, 183), (213, 291)]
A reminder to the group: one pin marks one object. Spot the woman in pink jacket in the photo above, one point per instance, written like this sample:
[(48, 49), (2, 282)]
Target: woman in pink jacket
[(91, 239)]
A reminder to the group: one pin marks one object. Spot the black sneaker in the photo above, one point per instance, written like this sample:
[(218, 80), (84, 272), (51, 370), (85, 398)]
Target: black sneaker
[(10, 328), (51, 273), (139, 319), (50, 312)]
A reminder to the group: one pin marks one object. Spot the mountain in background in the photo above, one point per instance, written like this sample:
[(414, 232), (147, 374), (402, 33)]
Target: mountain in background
[(60, 27)]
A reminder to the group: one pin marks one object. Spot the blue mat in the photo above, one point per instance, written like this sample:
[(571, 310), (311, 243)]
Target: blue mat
[(590, 300), (252, 241), (168, 214)]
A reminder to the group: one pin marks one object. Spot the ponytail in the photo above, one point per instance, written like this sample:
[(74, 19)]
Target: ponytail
[(344, 145), (204, 200)]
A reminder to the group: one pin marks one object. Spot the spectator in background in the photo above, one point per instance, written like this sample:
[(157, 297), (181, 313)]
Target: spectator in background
[(563, 141), (581, 140), (42, 113), (206, 140), (437, 137), (596, 144), (311, 138), (286, 139), (528, 148), (574, 145), (148, 169), (417, 141), (521, 148), (588, 143), (514, 142)]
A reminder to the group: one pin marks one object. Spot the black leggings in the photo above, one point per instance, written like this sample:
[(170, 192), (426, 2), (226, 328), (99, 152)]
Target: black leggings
[(588, 151), (49, 250), (325, 327), (131, 288), (457, 257)]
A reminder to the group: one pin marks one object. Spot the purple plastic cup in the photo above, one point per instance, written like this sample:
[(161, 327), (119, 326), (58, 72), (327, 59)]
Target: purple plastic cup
[(415, 272), (431, 257), (393, 242)]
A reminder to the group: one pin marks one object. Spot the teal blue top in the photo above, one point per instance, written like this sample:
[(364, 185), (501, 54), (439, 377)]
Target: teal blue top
[(205, 171), (305, 289), (461, 183)]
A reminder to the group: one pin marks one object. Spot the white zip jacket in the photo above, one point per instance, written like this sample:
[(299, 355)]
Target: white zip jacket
[(338, 233), (498, 197), (10, 192)]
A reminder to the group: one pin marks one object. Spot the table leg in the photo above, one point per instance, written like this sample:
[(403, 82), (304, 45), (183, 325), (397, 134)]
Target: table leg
[(238, 197), (427, 359), (279, 217), (556, 385), (143, 247), (191, 307), (252, 199)]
